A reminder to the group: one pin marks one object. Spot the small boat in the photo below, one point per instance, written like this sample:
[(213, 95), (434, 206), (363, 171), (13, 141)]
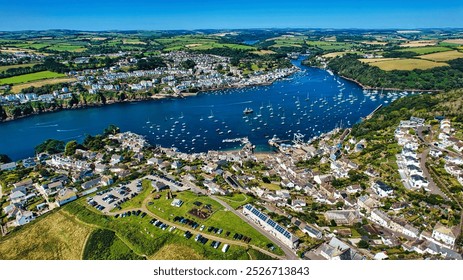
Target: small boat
[(248, 111)]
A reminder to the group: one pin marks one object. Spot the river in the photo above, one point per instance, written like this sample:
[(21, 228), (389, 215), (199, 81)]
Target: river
[(311, 102)]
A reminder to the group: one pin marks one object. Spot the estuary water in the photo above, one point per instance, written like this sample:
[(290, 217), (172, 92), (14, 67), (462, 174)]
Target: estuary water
[(310, 102)]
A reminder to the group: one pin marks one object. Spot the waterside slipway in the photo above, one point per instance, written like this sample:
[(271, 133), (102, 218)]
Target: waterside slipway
[(311, 101)]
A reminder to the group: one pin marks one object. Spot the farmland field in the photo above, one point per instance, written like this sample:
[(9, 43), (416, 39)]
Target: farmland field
[(31, 77), (4, 68), (407, 64), (56, 236), (454, 41), (69, 48), (412, 44), (17, 88), (330, 46), (443, 56), (425, 50), (371, 60)]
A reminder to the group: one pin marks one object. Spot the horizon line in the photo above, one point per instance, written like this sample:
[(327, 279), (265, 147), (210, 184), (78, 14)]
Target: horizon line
[(232, 29)]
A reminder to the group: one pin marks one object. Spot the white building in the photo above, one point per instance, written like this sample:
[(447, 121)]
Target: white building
[(271, 226), (444, 234)]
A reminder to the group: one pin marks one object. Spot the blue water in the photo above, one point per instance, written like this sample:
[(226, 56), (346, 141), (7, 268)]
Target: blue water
[(310, 102)]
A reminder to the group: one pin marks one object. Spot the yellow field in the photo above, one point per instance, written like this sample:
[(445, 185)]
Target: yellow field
[(19, 87), (55, 237), (443, 56), (263, 52), (13, 50), (334, 54), (4, 68), (176, 252), (372, 60), (454, 41), (407, 64), (374, 43), (412, 44)]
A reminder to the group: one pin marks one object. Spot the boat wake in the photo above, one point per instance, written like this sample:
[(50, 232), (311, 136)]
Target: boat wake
[(67, 130), (45, 126)]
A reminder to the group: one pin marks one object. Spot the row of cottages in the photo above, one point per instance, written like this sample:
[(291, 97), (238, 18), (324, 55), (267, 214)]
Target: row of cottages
[(271, 226), (396, 225), (446, 137), (408, 161)]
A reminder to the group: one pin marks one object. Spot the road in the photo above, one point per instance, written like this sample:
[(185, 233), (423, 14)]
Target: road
[(193, 231), (434, 189), (290, 255), (420, 136)]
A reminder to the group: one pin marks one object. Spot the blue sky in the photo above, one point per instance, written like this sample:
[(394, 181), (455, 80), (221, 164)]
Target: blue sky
[(181, 14)]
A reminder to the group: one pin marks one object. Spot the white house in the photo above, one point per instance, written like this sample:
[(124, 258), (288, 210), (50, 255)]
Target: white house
[(382, 189), (24, 217), (65, 196), (444, 234)]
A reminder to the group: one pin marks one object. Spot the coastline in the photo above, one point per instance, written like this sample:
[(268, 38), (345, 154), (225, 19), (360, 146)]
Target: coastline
[(391, 89), (154, 97)]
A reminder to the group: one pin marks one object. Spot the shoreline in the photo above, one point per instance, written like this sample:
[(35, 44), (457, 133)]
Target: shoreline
[(391, 89), (180, 95)]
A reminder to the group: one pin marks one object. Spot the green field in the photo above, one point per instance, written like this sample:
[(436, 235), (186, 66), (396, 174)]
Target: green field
[(137, 201), (67, 48), (145, 239), (425, 50), (54, 237), (237, 200), (193, 42), (330, 46), (4, 68), (103, 244), (220, 217), (31, 77), (443, 56), (406, 64)]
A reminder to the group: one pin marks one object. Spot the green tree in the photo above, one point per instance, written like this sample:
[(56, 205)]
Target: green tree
[(4, 158), (70, 148), (50, 146), (363, 244), (111, 129)]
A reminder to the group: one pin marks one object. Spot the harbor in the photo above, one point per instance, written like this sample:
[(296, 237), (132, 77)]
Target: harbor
[(310, 102)]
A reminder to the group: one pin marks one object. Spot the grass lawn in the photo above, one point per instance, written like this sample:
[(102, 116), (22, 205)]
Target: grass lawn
[(219, 218), (144, 238), (54, 237), (31, 77), (443, 56), (407, 64), (271, 187), (177, 252), (237, 200), (4, 68), (137, 201), (425, 50)]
